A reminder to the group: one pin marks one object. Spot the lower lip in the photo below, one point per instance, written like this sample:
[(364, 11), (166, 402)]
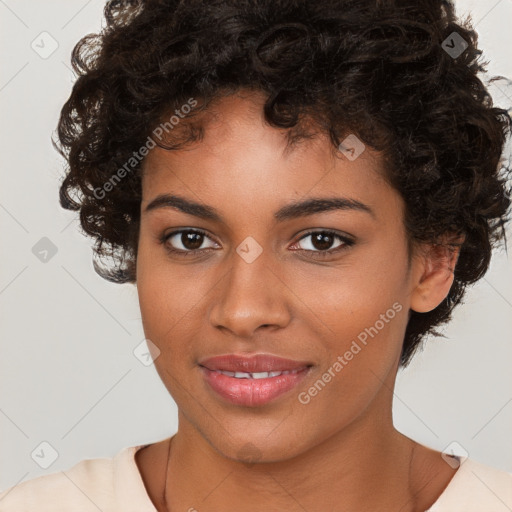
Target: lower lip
[(251, 392)]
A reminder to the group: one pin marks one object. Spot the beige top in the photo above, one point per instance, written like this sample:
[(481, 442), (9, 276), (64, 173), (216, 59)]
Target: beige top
[(115, 485)]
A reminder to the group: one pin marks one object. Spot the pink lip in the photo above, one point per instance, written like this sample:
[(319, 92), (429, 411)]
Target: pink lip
[(252, 392), (254, 363)]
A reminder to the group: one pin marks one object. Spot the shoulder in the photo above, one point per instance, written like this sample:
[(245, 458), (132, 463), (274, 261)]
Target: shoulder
[(476, 487), (87, 486)]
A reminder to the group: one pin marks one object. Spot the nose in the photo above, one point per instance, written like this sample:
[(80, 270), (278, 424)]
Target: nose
[(250, 296)]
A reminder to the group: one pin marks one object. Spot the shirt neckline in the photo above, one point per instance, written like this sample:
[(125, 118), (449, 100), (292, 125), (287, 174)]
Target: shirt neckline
[(454, 481), (129, 489)]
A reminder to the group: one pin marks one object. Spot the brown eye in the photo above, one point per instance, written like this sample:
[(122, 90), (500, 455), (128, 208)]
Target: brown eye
[(323, 243), (187, 241), (322, 240), (191, 240)]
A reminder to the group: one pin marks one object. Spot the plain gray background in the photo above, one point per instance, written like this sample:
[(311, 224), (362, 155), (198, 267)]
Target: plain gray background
[(68, 373)]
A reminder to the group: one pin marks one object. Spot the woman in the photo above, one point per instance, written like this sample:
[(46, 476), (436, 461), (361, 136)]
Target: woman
[(301, 191)]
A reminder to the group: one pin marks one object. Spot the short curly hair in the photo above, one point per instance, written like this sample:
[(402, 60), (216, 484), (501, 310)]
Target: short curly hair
[(391, 71)]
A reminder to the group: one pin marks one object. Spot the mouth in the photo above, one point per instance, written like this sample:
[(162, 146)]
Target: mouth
[(257, 375), (253, 364), (252, 381)]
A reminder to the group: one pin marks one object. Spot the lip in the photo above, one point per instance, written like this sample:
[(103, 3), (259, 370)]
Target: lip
[(250, 392), (251, 364)]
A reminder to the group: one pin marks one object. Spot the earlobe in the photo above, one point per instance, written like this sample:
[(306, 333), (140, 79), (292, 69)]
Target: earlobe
[(434, 275)]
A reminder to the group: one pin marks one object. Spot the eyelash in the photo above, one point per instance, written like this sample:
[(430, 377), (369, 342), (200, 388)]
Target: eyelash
[(347, 243)]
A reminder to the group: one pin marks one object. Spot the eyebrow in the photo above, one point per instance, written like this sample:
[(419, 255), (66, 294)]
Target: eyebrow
[(287, 212)]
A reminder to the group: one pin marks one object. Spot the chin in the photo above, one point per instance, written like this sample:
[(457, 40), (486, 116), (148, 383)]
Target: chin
[(256, 446)]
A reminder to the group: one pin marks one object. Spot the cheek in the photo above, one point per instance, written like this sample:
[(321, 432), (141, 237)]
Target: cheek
[(156, 290), (352, 296), (366, 333), (358, 312), (362, 348), (171, 300), (164, 308), (167, 324)]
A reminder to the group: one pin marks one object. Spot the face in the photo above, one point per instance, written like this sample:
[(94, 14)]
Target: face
[(246, 274)]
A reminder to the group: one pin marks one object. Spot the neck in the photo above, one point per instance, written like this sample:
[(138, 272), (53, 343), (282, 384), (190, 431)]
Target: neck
[(366, 466)]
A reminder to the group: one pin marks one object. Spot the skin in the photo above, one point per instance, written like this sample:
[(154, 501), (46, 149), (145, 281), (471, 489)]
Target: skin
[(340, 451)]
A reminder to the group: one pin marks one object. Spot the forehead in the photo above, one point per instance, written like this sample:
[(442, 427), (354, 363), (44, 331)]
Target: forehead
[(242, 160)]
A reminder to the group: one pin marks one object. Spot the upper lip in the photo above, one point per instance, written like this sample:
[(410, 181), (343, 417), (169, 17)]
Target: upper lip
[(252, 364)]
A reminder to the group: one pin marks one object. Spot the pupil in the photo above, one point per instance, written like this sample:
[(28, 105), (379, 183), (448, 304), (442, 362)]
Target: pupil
[(322, 241), (192, 239)]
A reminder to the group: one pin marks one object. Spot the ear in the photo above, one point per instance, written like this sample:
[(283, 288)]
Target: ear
[(433, 273)]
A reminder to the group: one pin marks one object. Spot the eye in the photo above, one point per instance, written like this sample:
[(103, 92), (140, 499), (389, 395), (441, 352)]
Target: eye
[(321, 243), (186, 241)]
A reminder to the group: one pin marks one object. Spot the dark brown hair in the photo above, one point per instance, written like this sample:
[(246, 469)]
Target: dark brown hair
[(402, 75)]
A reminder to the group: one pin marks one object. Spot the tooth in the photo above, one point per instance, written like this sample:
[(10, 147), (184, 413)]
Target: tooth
[(259, 375)]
